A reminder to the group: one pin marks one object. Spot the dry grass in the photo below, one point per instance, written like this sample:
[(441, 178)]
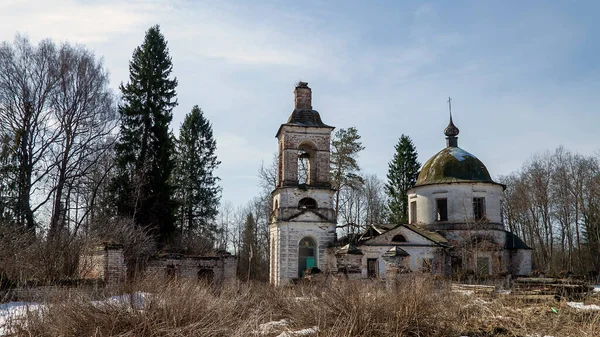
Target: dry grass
[(420, 306)]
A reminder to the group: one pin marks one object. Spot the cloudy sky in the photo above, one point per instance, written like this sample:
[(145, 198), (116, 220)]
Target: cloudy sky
[(524, 75)]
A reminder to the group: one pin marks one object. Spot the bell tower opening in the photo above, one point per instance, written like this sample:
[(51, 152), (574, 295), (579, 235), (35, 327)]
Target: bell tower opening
[(306, 163)]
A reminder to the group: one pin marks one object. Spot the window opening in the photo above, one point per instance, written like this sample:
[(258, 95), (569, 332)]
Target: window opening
[(399, 238), (306, 256), (457, 264), (483, 265), (442, 209), (206, 275), (479, 208), (413, 212), (307, 203), (171, 271), (372, 268)]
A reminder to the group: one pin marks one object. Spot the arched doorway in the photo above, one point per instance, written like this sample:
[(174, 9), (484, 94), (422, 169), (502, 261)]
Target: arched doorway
[(307, 255)]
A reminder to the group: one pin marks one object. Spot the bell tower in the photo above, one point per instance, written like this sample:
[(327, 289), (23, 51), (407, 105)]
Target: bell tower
[(303, 218)]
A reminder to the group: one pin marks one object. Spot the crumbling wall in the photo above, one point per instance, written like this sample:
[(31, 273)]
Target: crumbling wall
[(519, 261), (350, 265), (105, 261), (289, 141), (217, 269)]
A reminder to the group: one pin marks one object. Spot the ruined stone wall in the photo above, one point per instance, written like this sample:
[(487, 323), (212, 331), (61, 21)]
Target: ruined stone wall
[(519, 261), (92, 263), (218, 269), (105, 262), (464, 238), (116, 270), (418, 255), (350, 265), (469, 245), (395, 266), (285, 239)]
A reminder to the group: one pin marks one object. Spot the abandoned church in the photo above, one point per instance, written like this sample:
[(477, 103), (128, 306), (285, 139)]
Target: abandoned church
[(455, 214)]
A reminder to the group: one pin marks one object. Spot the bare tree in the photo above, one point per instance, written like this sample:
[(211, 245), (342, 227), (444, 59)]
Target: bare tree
[(553, 204), (85, 113), (27, 84)]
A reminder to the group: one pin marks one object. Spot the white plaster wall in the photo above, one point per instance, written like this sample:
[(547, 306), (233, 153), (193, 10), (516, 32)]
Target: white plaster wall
[(460, 201), (417, 255), (457, 237), (289, 197), (285, 238)]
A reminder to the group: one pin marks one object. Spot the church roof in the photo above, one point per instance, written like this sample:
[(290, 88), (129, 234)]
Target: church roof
[(452, 165), (303, 114), (306, 117)]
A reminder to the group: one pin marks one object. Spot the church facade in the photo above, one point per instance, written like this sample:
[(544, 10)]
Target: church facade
[(455, 214)]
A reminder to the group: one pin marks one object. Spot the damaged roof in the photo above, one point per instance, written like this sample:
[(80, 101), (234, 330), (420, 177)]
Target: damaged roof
[(396, 252), (349, 249), (433, 236), (374, 231), (306, 118)]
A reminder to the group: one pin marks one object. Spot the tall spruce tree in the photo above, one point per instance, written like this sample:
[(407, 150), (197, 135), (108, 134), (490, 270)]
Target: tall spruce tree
[(145, 149), (402, 175), (197, 188)]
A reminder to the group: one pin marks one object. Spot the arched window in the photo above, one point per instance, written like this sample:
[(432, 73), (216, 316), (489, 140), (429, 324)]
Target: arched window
[(307, 255), (307, 203), (306, 163), (399, 238)]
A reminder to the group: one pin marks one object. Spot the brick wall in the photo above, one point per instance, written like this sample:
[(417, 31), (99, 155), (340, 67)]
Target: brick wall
[(218, 269), (104, 261)]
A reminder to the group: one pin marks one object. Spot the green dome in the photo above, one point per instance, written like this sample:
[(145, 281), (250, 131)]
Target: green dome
[(452, 165)]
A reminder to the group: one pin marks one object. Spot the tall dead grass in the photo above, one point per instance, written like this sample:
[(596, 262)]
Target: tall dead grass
[(419, 306)]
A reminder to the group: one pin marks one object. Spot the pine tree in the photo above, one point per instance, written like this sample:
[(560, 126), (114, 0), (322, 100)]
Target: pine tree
[(345, 146), (197, 190), (402, 175), (145, 149)]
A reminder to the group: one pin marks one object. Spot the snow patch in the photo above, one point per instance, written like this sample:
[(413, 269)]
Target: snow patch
[(459, 153), (14, 312), (267, 328), (581, 306), (303, 332)]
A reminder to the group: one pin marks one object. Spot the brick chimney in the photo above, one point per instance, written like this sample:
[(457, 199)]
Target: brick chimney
[(303, 96)]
